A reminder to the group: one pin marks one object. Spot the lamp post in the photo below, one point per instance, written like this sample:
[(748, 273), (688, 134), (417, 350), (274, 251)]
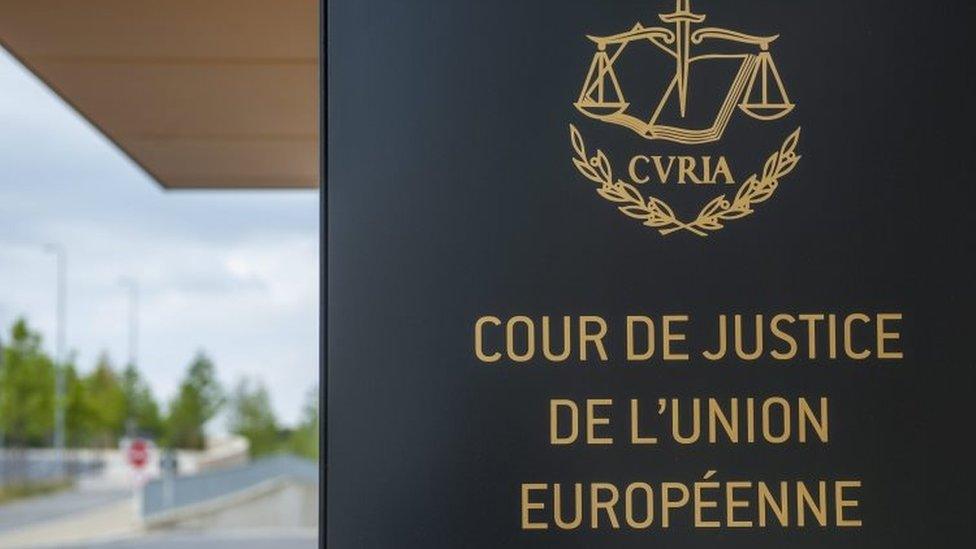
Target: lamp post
[(62, 298), (132, 286)]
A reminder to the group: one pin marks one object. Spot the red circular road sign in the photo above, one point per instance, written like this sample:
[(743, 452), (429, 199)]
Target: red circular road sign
[(138, 453)]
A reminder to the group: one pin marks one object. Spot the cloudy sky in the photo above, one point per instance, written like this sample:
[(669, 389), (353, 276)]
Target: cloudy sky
[(231, 273)]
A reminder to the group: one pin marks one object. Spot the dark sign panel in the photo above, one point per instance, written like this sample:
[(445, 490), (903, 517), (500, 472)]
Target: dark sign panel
[(649, 273)]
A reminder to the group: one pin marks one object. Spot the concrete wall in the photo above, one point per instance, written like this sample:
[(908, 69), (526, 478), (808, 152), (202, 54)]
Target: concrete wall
[(276, 504)]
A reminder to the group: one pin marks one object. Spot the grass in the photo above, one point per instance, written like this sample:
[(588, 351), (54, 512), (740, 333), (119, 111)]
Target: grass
[(31, 489)]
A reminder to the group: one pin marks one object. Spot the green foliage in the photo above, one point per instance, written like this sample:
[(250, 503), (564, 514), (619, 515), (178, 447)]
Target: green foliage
[(141, 408), (97, 406), (26, 389), (251, 416), (304, 440), (24, 490), (103, 405), (79, 411), (107, 405), (199, 399)]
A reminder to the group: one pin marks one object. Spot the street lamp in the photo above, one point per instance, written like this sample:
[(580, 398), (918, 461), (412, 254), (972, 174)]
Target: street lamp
[(62, 298), (132, 286)]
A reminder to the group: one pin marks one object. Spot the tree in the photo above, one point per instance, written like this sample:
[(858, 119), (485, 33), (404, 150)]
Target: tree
[(251, 417), (141, 408), (304, 440), (79, 415), (107, 405), (26, 389), (199, 399)]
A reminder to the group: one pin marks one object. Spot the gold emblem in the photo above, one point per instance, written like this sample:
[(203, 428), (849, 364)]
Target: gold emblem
[(756, 88)]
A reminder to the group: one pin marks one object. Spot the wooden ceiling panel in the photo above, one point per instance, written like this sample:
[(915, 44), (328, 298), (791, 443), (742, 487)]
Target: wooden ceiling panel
[(202, 94), (211, 162), (214, 99)]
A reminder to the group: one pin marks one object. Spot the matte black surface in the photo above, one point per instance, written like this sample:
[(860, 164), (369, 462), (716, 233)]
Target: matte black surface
[(451, 195)]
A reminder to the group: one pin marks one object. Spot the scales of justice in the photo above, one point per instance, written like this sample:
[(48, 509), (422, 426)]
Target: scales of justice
[(757, 88)]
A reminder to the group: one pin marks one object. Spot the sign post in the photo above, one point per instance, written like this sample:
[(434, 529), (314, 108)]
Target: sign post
[(138, 453)]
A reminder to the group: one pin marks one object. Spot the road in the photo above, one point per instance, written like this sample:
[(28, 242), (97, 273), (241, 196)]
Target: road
[(62, 520), (213, 541), (20, 514)]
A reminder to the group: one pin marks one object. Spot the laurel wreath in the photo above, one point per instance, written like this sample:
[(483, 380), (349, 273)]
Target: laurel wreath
[(657, 214)]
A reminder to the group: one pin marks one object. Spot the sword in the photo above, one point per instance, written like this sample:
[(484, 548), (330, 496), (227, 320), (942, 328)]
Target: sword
[(682, 19)]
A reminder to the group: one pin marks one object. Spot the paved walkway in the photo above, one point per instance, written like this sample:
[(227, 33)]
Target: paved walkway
[(103, 518), (19, 514)]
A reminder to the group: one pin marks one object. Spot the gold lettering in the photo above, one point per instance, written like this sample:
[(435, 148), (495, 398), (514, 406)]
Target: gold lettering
[(479, 344), (633, 169)]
